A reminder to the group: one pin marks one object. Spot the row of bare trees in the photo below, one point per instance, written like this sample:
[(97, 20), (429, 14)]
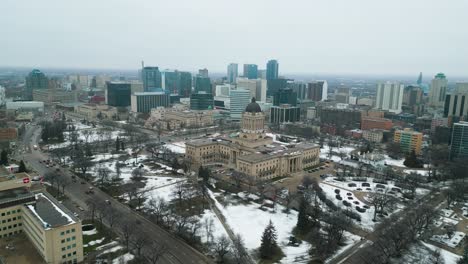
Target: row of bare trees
[(144, 247), (396, 233)]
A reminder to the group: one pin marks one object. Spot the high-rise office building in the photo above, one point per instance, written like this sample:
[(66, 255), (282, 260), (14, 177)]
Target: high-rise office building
[(459, 142), (274, 85), (240, 98), (413, 100), (342, 95), (169, 81), (456, 103), (232, 73), (202, 84), (438, 90), (257, 87), (251, 71), (285, 96), (223, 90), (118, 94), (151, 78), (299, 87), (272, 70), (36, 80), (389, 97), (203, 72), (201, 101), (261, 74), (145, 101), (317, 91), (184, 84), (285, 113)]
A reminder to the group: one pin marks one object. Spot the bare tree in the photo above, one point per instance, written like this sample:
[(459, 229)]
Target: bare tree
[(112, 216), (208, 225), (158, 208), (238, 249), (380, 201), (91, 203), (103, 176), (138, 242), (222, 247), (128, 231), (154, 252)]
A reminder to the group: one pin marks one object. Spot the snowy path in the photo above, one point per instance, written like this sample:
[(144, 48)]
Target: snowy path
[(213, 204)]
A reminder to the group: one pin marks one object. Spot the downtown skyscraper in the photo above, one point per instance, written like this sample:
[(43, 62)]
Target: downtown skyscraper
[(272, 70), (251, 71), (232, 73)]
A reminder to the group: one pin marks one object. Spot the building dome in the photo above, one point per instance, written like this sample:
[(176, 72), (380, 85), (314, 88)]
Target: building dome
[(253, 107)]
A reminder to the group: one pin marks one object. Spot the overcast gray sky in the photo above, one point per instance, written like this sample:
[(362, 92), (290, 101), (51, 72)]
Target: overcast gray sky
[(306, 36)]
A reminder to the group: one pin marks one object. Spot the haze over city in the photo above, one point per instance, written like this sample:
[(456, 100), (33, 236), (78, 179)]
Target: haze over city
[(241, 132), (361, 37)]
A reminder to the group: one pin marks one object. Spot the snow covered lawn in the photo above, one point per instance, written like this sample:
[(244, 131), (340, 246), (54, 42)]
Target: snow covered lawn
[(176, 147), (422, 252)]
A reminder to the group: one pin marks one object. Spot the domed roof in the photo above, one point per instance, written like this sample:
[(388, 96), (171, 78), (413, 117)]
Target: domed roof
[(253, 107)]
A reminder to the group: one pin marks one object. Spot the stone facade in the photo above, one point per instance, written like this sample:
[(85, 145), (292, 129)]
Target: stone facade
[(252, 152)]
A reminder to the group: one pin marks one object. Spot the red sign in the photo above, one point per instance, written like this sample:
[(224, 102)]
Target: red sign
[(25, 180)]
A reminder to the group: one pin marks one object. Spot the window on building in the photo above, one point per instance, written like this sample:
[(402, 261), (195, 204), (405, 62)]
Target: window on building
[(64, 256), (62, 233)]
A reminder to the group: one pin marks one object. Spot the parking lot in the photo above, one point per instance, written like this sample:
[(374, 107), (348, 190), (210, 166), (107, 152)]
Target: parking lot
[(18, 249)]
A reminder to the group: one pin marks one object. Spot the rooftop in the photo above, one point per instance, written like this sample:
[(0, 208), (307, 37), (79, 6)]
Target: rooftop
[(9, 177), (50, 212), (15, 196)]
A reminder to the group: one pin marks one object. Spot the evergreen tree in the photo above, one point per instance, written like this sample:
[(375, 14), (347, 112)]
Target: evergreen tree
[(4, 157), (122, 145), (412, 161), (22, 167), (45, 135), (204, 174), (117, 144), (269, 245), (302, 218)]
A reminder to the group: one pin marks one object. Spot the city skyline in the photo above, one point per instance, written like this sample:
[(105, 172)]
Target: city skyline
[(354, 39)]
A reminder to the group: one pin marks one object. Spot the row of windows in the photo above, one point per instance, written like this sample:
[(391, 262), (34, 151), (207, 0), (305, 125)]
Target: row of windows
[(69, 247), (11, 219), (11, 226), (67, 232), (69, 255), (11, 212), (68, 239), (11, 233)]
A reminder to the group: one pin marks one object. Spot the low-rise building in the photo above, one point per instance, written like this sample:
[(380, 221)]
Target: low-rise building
[(96, 111), (368, 123), (49, 96), (373, 135), (8, 134), (25, 106)]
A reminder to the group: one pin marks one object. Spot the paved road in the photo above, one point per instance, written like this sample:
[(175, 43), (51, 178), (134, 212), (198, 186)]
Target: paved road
[(179, 251)]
